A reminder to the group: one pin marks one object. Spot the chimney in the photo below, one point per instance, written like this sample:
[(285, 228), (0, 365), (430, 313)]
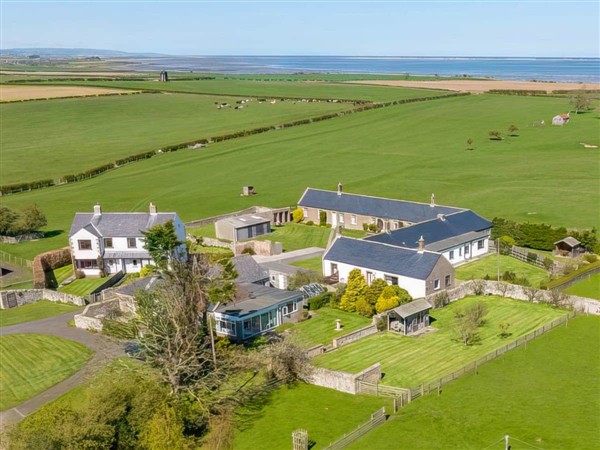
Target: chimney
[(432, 202), (97, 209), (340, 188), (152, 208), (421, 245)]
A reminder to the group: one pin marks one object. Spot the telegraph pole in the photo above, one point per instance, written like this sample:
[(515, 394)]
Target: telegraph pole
[(498, 253)]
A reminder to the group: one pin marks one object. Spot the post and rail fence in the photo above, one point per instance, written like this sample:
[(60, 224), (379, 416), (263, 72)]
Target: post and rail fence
[(15, 260), (377, 418)]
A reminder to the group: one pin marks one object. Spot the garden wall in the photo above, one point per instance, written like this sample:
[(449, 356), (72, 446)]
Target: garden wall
[(344, 381), (264, 248), (19, 297), (49, 261), (92, 315), (354, 336)]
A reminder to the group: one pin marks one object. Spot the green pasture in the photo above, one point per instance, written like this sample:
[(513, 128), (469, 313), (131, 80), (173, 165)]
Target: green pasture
[(49, 139), (320, 328), (546, 395), (590, 287), (34, 311), (409, 361), (326, 414), (404, 151), (315, 264), (82, 286), (275, 89), (32, 363), (489, 266)]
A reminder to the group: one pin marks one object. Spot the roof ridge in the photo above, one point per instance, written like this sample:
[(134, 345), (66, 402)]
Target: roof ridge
[(413, 250)]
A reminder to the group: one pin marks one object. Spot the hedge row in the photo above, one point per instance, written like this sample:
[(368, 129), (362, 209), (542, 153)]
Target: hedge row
[(81, 96), (582, 270), (41, 80)]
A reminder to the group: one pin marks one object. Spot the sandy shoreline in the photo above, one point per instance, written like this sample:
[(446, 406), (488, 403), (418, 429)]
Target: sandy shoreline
[(21, 92), (480, 86)]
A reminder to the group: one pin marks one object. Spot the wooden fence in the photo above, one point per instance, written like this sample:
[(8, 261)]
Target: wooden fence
[(377, 418), (435, 386), (15, 260), (381, 390), (528, 256)]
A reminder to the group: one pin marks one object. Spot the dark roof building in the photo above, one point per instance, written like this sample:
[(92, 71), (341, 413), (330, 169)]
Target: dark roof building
[(118, 224), (249, 271)]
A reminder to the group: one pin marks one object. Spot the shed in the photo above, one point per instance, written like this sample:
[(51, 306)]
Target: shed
[(242, 227), (410, 317), (560, 119), (568, 246)]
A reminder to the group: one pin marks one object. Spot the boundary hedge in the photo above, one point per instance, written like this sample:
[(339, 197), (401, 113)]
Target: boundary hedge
[(575, 274)]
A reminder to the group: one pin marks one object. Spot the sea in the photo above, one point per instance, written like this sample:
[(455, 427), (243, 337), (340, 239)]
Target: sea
[(584, 70)]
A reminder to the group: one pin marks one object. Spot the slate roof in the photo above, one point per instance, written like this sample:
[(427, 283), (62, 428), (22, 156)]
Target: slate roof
[(383, 257), (276, 266), (244, 221), (129, 224), (252, 298), (147, 283), (439, 234), (249, 271), (414, 307), (569, 240), (384, 208)]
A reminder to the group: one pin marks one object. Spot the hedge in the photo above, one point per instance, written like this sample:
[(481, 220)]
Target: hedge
[(582, 270)]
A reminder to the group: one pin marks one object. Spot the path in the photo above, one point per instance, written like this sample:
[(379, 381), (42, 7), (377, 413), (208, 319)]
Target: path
[(289, 257), (104, 351)]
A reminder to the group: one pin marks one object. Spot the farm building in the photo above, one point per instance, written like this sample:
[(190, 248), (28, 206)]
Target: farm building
[(256, 310), (560, 119), (112, 242), (459, 236), (421, 272), (244, 227), (354, 211), (568, 246), (410, 317)]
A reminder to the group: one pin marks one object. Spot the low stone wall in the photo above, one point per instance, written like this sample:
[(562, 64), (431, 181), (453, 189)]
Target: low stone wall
[(316, 351), (209, 220), (21, 238), (344, 381), (19, 297), (49, 261), (211, 242), (354, 336), (263, 248), (92, 315)]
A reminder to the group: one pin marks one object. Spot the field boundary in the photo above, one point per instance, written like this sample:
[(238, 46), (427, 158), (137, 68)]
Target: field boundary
[(575, 277), (377, 418), (99, 170), (16, 260), (111, 94)]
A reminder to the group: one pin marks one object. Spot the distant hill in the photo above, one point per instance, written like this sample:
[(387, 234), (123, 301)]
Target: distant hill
[(70, 52)]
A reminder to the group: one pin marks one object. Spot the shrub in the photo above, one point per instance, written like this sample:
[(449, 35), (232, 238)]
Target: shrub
[(390, 297), (531, 257), (310, 223), (319, 301), (590, 257), (248, 251), (548, 263), (355, 290), (322, 218), (148, 269), (441, 299), (478, 287), (297, 215), (79, 274)]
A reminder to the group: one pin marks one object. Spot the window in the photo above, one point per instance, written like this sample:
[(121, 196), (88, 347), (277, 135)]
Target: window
[(85, 244), (466, 250), (392, 281), (480, 244), (87, 264), (353, 219), (436, 284), (226, 326), (108, 243), (447, 281), (341, 217), (395, 225), (459, 251), (289, 308), (131, 243), (451, 255)]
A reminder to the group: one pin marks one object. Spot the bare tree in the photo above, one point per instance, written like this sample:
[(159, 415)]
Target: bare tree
[(495, 135), (531, 293), (467, 323), (557, 298), (503, 288), (478, 287), (512, 129), (469, 144), (581, 101)]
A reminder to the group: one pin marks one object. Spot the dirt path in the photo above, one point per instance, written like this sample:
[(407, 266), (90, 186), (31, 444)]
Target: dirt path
[(105, 350)]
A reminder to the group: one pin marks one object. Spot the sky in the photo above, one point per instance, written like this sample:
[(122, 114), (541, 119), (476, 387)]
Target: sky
[(386, 28)]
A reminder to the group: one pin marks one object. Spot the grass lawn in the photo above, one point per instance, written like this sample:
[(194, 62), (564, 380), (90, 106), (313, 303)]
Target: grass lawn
[(325, 413), (83, 286), (294, 236), (544, 396), (320, 328), (34, 311), (408, 361), (203, 231), (590, 287), (489, 266), (62, 273), (39, 138), (315, 264), (32, 363), (495, 179)]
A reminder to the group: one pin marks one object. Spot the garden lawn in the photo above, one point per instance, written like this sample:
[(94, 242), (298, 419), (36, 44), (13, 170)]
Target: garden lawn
[(489, 266), (325, 413), (294, 236), (545, 395), (590, 287), (32, 363), (82, 286), (320, 328), (62, 273), (50, 139), (409, 361), (315, 264), (34, 311), (368, 149)]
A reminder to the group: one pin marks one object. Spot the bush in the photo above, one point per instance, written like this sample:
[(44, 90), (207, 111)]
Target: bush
[(590, 257), (79, 274), (248, 251), (548, 263), (148, 269), (322, 218), (310, 223), (441, 299), (319, 301), (532, 257), (297, 215)]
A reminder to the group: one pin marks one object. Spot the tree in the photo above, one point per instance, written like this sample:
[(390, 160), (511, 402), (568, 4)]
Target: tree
[(285, 361), (531, 293), (504, 330), (581, 101), (7, 220), (557, 298), (161, 243), (468, 321), (297, 215), (355, 289), (374, 291), (164, 430), (302, 278), (390, 297), (30, 219), (495, 135), (364, 308), (512, 129), (469, 144)]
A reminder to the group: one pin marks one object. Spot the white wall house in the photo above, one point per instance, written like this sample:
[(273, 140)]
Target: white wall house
[(110, 242)]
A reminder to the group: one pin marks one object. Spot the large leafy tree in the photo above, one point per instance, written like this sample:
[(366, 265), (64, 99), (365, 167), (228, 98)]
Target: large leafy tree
[(161, 243), (7, 220)]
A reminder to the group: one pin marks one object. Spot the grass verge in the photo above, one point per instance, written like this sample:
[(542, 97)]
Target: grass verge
[(34, 311)]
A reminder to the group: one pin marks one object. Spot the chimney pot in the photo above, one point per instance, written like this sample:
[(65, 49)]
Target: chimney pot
[(432, 202), (421, 245), (152, 208), (97, 209), (442, 217), (340, 188)]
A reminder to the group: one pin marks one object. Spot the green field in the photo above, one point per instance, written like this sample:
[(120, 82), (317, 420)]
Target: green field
[(489, 266), (34, 311), (315, 264), (590, 287), (39, 138), (82, 286), (32, 363), (409, 361), (405, 151), (294, 236), (546, 395), (326, 415), (320, 328)]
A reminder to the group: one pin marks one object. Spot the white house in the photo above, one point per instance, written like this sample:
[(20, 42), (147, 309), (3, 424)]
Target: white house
[(560, 119), (110, 242), (419, 271)]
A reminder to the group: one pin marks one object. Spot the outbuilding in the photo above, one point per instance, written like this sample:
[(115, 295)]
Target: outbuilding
[(568, 246), (240, 228), (409, 318)]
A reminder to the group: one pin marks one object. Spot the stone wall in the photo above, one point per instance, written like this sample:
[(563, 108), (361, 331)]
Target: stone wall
[(13, 298), (344, 381), (211, 242), (22, 237), (316, 351), (354, 336), (49, 261), (92, 315), (264, 248)]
